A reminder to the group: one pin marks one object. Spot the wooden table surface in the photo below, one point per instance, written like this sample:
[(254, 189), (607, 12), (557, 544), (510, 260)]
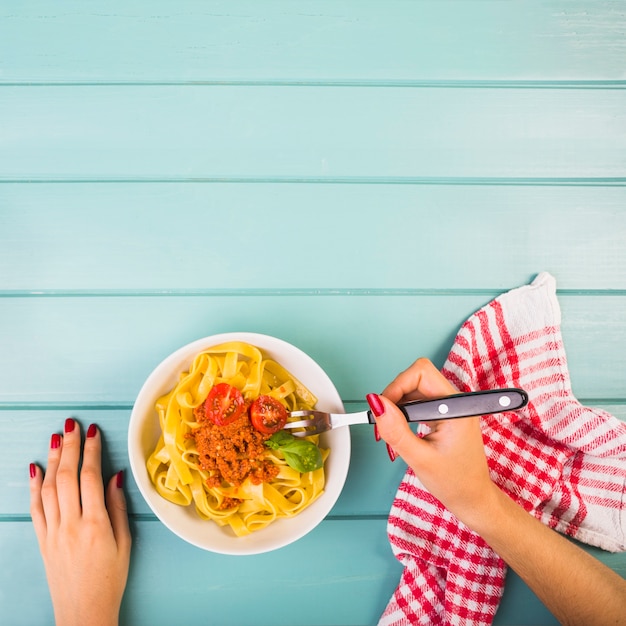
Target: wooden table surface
[(353, 177)]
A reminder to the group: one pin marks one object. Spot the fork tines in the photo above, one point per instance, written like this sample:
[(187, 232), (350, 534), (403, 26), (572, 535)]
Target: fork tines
[(317, 422)]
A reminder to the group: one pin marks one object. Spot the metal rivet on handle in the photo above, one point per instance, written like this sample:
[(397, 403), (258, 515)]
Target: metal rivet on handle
[(504, 401), (443, 409)]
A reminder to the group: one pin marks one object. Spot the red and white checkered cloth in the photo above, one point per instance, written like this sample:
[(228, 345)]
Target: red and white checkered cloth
[(564, 463)]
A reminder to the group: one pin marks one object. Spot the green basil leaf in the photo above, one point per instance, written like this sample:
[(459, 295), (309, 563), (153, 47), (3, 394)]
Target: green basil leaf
[(277, 440), (301, 464), (306, 459), (304, 456)]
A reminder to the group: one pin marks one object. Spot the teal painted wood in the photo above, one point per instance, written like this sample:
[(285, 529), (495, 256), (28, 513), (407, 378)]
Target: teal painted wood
[(216, 132), (519, 105), (86, 350), (363, 561), (194, 236), (172, 582), (371, 485), (369, 491), (311, 41)]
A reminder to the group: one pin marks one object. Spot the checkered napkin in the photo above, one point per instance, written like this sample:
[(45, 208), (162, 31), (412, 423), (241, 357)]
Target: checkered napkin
[(564, 463)]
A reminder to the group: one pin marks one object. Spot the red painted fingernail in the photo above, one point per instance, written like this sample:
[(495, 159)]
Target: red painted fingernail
[(391, 453), (55, 441), (69, 425), (119, 479), (378, 408), (33, 470), (376, 433), (92, 430)]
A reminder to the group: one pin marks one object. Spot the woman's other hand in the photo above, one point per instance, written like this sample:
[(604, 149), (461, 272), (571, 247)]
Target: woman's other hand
[(82, 530)]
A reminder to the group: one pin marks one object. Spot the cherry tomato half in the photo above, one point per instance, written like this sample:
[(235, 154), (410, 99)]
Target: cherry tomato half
[(224, 404), (268, 415)]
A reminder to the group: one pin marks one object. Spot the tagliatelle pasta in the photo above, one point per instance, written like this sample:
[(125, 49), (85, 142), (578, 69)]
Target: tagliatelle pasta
[(174, 465)]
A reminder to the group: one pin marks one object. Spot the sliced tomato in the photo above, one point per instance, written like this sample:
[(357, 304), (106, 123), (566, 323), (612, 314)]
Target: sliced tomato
[(268, 415), (224, 404)]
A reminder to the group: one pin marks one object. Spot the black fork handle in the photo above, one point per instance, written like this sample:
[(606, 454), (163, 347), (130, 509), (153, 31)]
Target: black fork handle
[(464, 405)]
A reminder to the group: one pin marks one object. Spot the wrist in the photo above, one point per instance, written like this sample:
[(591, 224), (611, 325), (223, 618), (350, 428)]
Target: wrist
[(483, 513), (78, 616), (499, 520)]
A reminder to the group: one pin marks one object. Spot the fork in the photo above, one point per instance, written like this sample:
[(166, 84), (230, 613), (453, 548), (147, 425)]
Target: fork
[(449, 407)]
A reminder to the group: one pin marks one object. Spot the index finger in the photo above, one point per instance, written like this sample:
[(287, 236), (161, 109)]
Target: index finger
[(422, 380)]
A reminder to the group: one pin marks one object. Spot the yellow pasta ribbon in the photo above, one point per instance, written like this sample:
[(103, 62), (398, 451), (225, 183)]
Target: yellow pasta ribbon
[(173, 464)]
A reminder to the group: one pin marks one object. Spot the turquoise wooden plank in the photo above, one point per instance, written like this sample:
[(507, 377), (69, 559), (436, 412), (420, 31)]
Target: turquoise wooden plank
[(195, 236), (103, 348), (85, 350), (369, 490), (216, 132), (172, 582), (342, 92), (311, 41), (25, 439), (350, 584)]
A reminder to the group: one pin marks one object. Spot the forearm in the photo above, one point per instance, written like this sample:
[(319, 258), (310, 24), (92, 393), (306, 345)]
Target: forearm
[(572, 584), (451, 464)]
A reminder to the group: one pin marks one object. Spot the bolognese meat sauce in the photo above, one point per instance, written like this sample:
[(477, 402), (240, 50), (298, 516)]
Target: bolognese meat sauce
[(232, 452)]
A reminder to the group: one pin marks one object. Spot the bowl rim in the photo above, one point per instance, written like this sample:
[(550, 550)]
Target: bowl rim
[(181, 520)]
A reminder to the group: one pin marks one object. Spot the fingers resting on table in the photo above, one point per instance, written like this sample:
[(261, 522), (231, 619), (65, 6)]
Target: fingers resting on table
[(69, 490)]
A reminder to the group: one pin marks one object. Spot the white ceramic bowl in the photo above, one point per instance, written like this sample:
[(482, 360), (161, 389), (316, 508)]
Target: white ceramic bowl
[(143, 433)]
